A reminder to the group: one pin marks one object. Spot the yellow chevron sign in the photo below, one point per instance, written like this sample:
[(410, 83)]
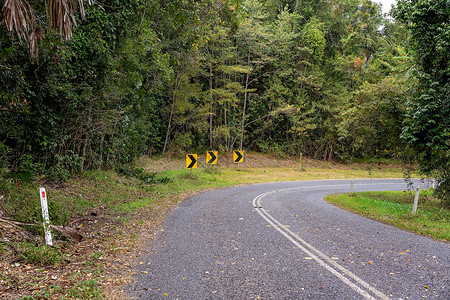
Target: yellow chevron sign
[(238, 156), (211, 157), (191, 161)]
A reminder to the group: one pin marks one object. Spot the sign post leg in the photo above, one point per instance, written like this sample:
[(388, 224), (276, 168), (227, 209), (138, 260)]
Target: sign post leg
[(416, 201)]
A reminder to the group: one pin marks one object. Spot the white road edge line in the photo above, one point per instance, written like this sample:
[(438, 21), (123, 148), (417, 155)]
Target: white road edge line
[(295, 239)]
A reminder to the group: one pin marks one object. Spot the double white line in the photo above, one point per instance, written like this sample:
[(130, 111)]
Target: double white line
[(340, 272)]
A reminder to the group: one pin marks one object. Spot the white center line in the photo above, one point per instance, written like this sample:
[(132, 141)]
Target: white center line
[(314, 253)]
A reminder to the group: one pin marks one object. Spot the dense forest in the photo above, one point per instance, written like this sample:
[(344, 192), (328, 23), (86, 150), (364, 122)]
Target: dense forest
[(98, 83)]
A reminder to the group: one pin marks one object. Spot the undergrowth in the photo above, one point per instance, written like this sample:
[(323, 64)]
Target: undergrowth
[(141, 174)]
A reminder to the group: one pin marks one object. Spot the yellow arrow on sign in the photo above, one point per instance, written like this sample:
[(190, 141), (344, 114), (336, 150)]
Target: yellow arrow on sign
[(191, 161), (238, 156), (211, 157)]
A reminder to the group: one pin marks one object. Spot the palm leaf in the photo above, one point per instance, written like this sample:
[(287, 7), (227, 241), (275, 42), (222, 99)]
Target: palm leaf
[(62, 18), (19, 16)]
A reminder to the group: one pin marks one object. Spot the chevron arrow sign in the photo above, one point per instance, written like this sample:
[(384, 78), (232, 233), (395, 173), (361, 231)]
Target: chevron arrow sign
[(191, 161), (238, 156), (211, 157)]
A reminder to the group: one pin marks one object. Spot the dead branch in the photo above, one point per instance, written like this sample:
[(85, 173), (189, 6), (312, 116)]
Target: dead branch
[(15, 223), (5, 67), (66, 231)]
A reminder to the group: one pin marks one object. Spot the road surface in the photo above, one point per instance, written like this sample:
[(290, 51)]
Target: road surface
[(283, 241)]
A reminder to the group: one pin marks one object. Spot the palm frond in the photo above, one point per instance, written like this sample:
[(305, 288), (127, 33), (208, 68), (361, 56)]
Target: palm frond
[(33, 40), (62, 18), (19, 16)]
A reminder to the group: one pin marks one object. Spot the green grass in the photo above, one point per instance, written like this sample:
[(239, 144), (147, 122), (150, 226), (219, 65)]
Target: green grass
[(39, 254), (182, 182), (395, 208), (88, 289)]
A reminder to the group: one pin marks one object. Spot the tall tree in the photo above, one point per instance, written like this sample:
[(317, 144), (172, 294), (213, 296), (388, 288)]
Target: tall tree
[(427, 129)]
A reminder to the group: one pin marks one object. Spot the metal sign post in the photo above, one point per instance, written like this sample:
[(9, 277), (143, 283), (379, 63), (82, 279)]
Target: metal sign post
[(416, 200), (239, 157), (191, 162), (45, 216)]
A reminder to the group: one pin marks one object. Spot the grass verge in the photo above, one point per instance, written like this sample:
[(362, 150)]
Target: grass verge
[(395, 208)]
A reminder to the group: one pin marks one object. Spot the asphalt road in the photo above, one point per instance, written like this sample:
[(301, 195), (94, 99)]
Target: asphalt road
[(283, 241)]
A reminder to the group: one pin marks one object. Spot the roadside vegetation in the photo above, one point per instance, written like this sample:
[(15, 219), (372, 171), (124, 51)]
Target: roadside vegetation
[(395, 208)]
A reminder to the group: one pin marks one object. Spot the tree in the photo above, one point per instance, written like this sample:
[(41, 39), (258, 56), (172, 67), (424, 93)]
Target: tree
[(372, 122), (427, 129)]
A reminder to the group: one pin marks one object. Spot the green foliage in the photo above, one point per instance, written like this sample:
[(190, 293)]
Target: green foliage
[(92, 101), (373, 118), (314, 39), (427, 128)]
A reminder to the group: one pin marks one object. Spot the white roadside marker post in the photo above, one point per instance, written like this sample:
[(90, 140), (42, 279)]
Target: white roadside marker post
[(45, 216), (416, 200)]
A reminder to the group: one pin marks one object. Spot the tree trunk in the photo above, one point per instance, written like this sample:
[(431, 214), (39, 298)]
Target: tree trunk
[(169, 125), (245, 101), (211, 109)]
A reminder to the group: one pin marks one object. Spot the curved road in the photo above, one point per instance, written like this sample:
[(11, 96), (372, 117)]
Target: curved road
[(283, 241)]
